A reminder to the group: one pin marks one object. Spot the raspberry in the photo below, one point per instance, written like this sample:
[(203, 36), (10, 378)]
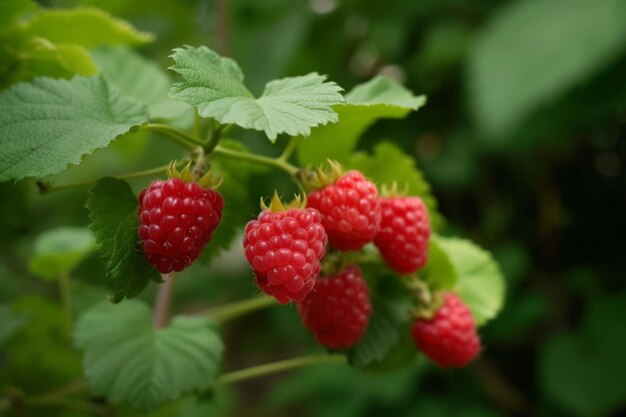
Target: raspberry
[(404, 233), (177, 220), (338, 309), (284, 249), (449, 338), (350, 211)]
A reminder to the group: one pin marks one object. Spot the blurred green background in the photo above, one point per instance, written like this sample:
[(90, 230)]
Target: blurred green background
[(523, 140)]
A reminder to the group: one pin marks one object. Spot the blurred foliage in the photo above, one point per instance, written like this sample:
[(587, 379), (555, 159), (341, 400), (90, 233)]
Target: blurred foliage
[(522, 138)]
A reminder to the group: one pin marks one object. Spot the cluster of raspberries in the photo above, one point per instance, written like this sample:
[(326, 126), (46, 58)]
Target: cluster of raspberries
[(285, 247)]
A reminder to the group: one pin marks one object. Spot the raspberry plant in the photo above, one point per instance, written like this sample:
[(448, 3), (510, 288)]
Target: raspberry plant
[(309, 252)]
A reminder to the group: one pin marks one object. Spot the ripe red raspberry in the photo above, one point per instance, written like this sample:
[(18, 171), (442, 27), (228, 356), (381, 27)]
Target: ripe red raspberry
[(338, 309), (284, 249), (350, 211), (177, 220), (404, 233), (449, 338)]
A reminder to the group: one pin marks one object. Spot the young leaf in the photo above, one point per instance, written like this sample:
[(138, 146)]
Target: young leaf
[(127, 359), (376, 99), (113, 213), (59, 251), (388, 164), (215, 85), (121, 66), (88, 27), (480, 283), (47, 124)]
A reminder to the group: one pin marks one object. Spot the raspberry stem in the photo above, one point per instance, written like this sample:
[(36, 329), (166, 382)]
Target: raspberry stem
[(275, 367), (163, 301), (258, 159), (176, 135), (233, 310)]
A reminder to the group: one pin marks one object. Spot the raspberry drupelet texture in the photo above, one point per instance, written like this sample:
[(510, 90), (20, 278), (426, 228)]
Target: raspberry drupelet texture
[(404, 233), (177, 220), (284, 249), (350, 211), (338, 309), (449, 338)]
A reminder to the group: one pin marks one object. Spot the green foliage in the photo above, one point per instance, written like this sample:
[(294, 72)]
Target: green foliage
[(113, 213), (47, 124), (379, 98), (41, 57), (479, 280), (59, 251), (388, 164), (9, 323), (381, 346), (88, 27), (121, 66), (215, 85), (127, 359), (532, 52), (583, 371), (10, 10)]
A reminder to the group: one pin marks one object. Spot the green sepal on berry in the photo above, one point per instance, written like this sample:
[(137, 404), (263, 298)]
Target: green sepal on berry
[(276, 204), (320, 177), (187, 175)]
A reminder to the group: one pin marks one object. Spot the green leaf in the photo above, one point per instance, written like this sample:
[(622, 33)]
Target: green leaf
[(88, 27), (215, 85), (480, 283), (582, 371), (9, 323), (59, 251), (383, 336), (47, 124), (11, 10), (113, 213), (439, 273), (40, 57), (121, 67), (389, 164), (379, 98), (532, 52), (127, 359)]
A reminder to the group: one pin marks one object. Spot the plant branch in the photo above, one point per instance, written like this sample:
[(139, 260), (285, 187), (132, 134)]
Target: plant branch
[(275, 367), (46, 187), (163, 301), (239, 308), (286, 167), (178, 136)]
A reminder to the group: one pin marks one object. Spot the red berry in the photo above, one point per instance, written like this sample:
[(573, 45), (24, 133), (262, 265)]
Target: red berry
[(404, 233), (350, 211), (449, 338), (338, 309), (177, 220), (284, 249)]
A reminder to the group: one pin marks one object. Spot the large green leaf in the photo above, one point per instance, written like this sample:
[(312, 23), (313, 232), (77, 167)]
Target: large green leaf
[(388, 164), (139, 78), (479, 280), (88, 27), (47, 124), (378, 98), (532, 52), (215, 85), (439, 273), (127, 359), (59, 251), (113, 213)]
